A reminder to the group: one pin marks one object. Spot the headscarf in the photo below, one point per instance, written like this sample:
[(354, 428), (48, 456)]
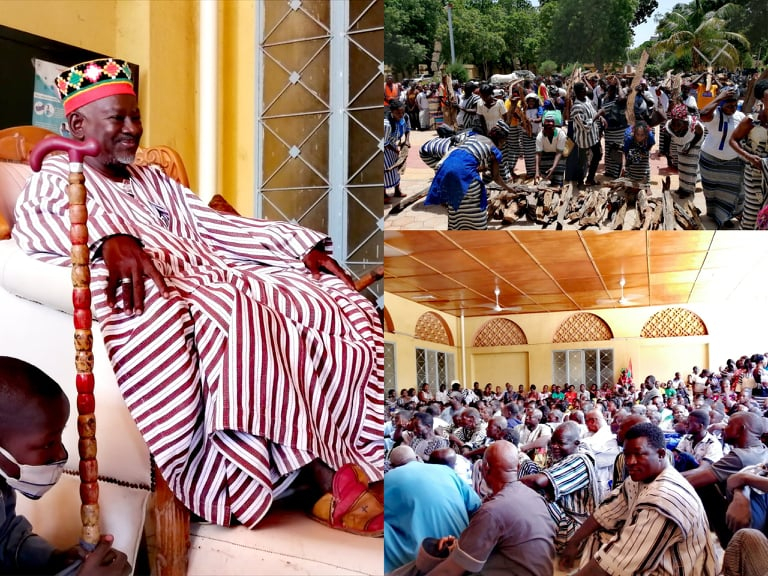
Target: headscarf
[(504, 127), (553, 115), (679, 112)]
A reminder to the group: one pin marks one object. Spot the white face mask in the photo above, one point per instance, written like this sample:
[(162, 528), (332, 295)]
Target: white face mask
[(33, 481)]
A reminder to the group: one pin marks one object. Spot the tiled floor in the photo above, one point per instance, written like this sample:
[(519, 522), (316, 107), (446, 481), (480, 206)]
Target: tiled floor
[(418, 175)]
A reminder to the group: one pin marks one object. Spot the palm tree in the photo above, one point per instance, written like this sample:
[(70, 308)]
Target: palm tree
[(689, 31)]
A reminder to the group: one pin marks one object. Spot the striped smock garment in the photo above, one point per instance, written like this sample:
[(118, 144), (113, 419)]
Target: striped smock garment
[(687, 162), (575, 492), (754, 184), (458, 183), (433, 150), (586, 131), (251, 368), (654, 529), (638, 156), (393, 138)]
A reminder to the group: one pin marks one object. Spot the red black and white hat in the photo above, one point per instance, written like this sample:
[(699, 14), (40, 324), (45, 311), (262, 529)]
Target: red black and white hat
[(89, 81)]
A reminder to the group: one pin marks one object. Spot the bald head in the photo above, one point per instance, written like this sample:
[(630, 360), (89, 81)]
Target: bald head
[(501, 462), (504, 455), (626, 424), (576, 416), (743, 430), (595, 420), (565, 441), (445, 456), (401, 455), (496, 427)]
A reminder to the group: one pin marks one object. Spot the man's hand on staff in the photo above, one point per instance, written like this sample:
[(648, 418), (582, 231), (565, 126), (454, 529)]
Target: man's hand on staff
[(128, 264), (318, 260)]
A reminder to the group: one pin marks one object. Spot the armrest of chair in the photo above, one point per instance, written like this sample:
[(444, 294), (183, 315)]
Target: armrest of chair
[(33, 280)]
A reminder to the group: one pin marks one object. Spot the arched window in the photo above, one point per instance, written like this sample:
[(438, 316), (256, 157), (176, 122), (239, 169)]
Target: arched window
[(499, 332), (582, 327), (672, 322), (432, 328)]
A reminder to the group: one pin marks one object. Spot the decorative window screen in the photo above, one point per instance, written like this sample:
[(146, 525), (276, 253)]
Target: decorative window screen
[(429, 327), (434, 368), (582, 327), (588, 366), (320, 122), (672, 322), (500, 332)]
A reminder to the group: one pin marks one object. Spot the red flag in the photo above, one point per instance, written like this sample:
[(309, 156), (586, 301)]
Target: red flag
[(543, 94)]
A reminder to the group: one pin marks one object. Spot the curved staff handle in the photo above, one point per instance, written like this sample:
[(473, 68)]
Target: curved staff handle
[(81, 299), (74, 148)]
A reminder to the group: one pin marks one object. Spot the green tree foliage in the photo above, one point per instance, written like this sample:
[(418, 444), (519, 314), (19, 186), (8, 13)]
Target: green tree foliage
[(457, 71), (690, 31), (644, 10), (523, 33), (409, 32), (477, 35), (752, 21), (547, 68), (596, 32)]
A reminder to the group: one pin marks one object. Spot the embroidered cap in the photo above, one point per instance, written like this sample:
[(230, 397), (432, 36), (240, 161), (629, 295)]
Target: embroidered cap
[(90, 81)]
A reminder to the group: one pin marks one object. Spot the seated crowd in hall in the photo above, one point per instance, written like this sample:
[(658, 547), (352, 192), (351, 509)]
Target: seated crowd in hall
[(642, 477)]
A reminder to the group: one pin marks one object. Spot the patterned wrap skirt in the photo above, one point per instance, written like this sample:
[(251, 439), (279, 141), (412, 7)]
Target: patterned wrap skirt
[(721, 181), (688, 168), (614, 156), (545, 164)]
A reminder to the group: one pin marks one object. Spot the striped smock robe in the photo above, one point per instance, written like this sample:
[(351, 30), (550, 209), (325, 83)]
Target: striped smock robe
[(251, 368), (687, 162)]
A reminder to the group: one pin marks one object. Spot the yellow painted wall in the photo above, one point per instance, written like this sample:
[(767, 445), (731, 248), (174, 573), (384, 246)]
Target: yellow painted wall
[(237, 99), (660, 356), (405, 344), (82, 23), (161, 37), (500, 366)]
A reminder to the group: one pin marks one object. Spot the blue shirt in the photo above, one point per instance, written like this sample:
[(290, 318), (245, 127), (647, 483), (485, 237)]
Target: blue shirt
[(421, 501), (20, 549)]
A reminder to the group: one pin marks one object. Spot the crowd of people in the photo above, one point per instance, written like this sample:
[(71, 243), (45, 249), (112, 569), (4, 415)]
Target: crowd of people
[(563, 131), (620, 478)]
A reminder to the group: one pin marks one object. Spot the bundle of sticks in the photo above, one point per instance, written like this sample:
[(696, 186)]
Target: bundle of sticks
[(535, 203), (619, 205)]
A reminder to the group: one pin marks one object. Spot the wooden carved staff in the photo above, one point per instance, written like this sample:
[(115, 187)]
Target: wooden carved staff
[(81, 299)]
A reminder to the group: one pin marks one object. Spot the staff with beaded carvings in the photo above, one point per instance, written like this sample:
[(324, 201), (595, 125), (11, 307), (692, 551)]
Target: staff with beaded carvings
[(81, 299)]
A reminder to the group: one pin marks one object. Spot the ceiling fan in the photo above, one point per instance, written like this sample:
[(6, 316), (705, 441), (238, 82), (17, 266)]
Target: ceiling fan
[(498, 307), (623, 299)]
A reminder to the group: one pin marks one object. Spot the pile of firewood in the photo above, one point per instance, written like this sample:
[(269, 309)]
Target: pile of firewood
[(537, 204), (619, 205)]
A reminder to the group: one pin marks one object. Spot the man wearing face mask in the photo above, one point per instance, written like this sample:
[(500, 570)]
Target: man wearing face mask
[(33, 413)]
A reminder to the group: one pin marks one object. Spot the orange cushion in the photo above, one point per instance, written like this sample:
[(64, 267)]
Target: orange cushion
[(13, 176), (5, 228)]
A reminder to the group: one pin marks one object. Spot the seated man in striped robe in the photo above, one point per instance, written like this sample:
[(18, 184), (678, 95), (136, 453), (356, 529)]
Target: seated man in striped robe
[(240, 346), (654, 524), (569, 485)]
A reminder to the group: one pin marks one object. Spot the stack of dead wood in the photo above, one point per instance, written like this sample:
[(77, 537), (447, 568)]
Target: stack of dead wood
[(619, 205), (534, 203)]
